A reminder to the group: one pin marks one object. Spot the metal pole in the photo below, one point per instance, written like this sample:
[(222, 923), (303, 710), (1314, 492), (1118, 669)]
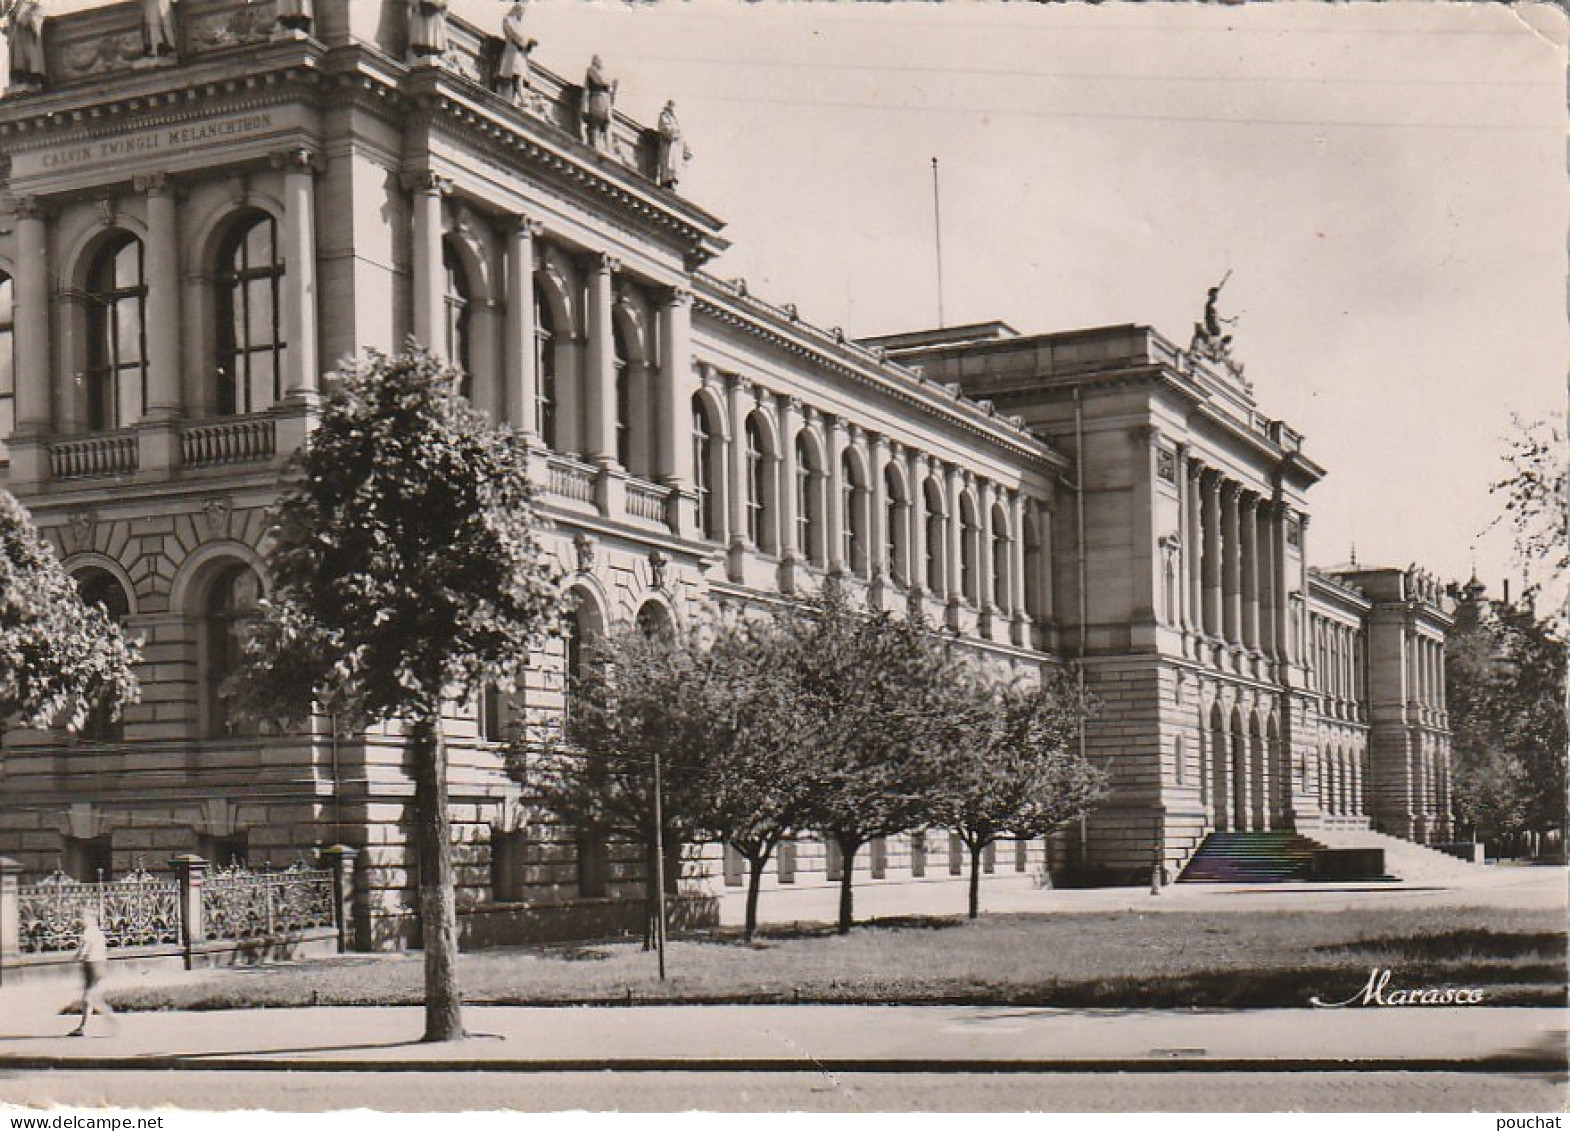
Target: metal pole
[(937, 229), (659, 867)]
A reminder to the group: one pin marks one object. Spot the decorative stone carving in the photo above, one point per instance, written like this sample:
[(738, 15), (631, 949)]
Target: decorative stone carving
[(659, 561), (294, 16), (1166, 465), (250, 23), (673, 151), (598, 106), (24, 29), (159, 35), (101, 56), (512, 73), (79, 530), (427, 28), (218, 513), (1211, 339), (583, 546)]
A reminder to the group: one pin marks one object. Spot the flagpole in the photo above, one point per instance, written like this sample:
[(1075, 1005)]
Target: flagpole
[(937, 232)]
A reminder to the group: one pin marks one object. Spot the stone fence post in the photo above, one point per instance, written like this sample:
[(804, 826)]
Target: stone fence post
[(339, 860), (10, 916), (190, 869)]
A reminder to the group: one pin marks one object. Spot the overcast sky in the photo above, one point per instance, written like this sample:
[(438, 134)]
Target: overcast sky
[(1386, 183)]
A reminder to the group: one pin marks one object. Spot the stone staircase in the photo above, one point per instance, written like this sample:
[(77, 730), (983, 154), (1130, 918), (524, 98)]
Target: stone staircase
[(1414, 863), (1251, 858)]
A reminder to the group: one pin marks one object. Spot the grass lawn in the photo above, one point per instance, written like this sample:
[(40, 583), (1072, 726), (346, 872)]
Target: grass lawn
[(1113, 959)]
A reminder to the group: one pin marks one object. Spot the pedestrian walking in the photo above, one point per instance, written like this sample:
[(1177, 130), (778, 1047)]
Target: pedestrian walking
[(93, 954)]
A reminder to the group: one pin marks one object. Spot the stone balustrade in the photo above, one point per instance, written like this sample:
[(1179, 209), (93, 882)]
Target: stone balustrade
[(95, 456), (244, 439)]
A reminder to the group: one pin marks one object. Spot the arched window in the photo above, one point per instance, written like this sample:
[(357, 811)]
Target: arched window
[(1002, 559), (969, 547), (456, 328), (7, 363), (1034, 606), (581, 629), (760, 495), (623, 395), (250, 346), (102, 588), (544, 369), (895, 524), (707, 469), (654, 619), (857, 556), (809, 507), (933, 499), (116, 335), (230, 604)]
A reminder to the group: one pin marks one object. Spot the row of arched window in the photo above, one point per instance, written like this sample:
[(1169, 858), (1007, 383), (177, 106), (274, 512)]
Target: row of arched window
[(223, 607), (857, 498)]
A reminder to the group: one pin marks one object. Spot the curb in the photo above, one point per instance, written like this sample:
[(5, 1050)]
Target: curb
[(1508, 1062)]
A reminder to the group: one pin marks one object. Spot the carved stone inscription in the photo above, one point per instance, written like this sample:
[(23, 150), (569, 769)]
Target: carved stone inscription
[(160, 141)]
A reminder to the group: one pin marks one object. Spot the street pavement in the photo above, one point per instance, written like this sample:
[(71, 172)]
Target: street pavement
[(809, 1091), (791, 1037)]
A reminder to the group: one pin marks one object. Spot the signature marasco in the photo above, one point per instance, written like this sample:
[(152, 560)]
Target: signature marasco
[(1377, 991)]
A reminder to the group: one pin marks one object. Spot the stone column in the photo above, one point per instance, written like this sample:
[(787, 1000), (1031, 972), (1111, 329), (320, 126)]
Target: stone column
[(953, 579), (916, 513), (1279, 606), (430, 282), (600, 364), (190, 870), (31, 320), (163, 298), (986, 591), (1193, 546), (1017, 611), (518, 361), (1302, 582), (339, 860), (737, 392), (878, 563), (1248, 523), (1264, 522), (789, 425), (1211, 486), (10, 916), (675, 408), (301, 369), (1231, 566), (1049, 597), (834, 506)]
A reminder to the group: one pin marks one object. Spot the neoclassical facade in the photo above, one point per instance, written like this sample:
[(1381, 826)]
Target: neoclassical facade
[(193, 238)]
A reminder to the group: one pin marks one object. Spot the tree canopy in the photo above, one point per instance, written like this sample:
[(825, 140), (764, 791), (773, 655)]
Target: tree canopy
[(406, 573), (60, 657)]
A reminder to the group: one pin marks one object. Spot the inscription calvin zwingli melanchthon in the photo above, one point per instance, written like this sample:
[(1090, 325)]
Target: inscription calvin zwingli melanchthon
[(164, 139)]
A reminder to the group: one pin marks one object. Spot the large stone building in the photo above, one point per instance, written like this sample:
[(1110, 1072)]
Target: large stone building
[(201, 217)]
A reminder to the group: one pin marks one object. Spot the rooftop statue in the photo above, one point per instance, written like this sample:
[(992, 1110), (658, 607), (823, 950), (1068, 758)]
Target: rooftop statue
[(427, 28), (599, 103), (294, 15), (158, 30), (512, 73), (1211, 339), (674, 154), (23, 21)]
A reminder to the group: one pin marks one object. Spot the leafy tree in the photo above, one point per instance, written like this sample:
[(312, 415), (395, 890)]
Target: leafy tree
[(406, 573), (644, 696), (756, 784), (1013, 768), (60, 657), (866, 703), (1536, 495), (1505, 679)]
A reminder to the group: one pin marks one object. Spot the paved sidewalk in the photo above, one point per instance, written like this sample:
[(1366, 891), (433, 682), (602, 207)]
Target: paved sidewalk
[(784, 1038)]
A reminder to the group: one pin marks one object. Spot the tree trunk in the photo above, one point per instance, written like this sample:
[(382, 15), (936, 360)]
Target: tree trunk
[(756, 864), (847, 899), (975, 878), (438, 897)]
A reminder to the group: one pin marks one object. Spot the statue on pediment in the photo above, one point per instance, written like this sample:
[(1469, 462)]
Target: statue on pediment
[(158, 30), (23, 21), (294, 15), (673, 153), (1212, 339), (599, 106), (512, 72), (427, 28)]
